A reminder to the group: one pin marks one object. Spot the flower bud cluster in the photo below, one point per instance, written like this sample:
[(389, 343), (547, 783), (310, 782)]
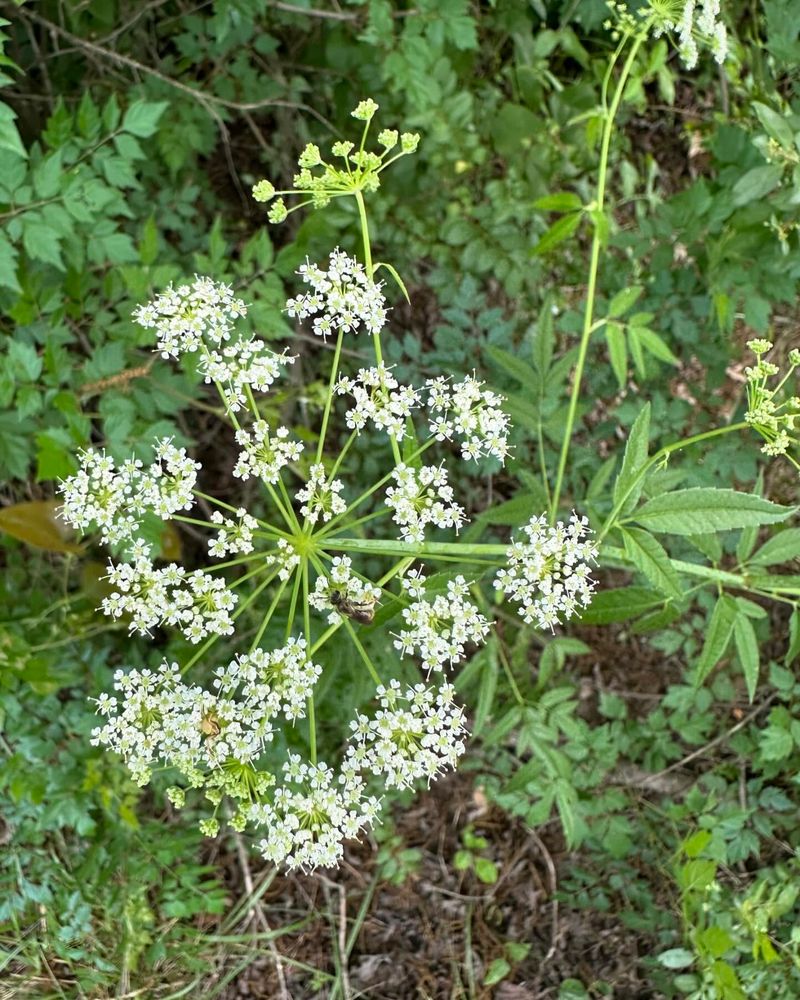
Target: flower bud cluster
[(772, 412), (361, 170), (114, 500), (548, 575), (417, 733), (422, 497), (439, 630), (379, 399), (342, 300), (471, 414)]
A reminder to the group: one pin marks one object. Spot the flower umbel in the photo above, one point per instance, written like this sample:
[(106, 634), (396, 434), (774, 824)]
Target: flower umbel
[(548, 575)]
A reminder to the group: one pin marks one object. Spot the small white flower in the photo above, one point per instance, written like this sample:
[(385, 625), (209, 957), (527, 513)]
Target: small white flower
[(439, 630), (379, 399), (184, 318), (319, 497), (234, 536), (469, 413), (195, 603), (549, 575), (422, 497), (263, 456), (312, 813), (343, 295), (115, 500), (416, 734)]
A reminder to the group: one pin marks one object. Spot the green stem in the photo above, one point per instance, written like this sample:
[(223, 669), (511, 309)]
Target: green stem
[(373, 489), (376, 337), (270, 611), (417, 550), (588, 326), (293, 604), (363, 653), (654, 460), (312, 721), (329, 401)]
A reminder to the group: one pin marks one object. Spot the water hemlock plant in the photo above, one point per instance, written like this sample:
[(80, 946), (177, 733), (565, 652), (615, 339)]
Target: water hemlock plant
[(301, 560)]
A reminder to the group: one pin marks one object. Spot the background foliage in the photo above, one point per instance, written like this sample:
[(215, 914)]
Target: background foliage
[(665, 812)]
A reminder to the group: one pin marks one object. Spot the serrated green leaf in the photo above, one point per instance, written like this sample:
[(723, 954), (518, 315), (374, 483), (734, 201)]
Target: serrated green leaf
[(9, 135), (561, 230), (8, 264), (700, 509), (620, 604), (778, 549), (650, 557), (624, 300), (561, 201), (775, 124), (542, 334), (747, 648), (756, 184), (142, 117), (718, 636), (627, 488), (653, 344), (518, 369), (617, 352)]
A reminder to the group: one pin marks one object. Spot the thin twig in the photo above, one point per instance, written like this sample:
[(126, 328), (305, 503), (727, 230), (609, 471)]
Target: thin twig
[(257, 912), (134, 64), (702, 751), (551, 873)]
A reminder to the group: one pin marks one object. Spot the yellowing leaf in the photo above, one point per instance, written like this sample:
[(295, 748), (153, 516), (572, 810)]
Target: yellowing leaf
[(35, 523)]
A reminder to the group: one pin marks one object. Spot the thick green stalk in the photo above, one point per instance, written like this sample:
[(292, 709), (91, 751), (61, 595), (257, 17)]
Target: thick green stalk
[(591, 290), (416, 550)]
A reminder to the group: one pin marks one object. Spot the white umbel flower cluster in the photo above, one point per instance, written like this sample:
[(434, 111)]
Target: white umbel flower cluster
[(683, 17), (439, 630), (264, 455), (202, 317), (191, 316), (164, 721), (234, 536), (341, 578), (114, 500), (195, 603), (313, 811), (549, 574), (321, 498), (422, 497), (416, 734), (279, 680), (470, 414), (380, 400), (342, 299), (245, 364)]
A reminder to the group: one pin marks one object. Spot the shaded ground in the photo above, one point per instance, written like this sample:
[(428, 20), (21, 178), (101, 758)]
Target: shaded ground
[(435, 935)]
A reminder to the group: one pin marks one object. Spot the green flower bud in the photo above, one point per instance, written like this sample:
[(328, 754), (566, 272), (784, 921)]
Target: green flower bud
[(365, 110), (263, 191)]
